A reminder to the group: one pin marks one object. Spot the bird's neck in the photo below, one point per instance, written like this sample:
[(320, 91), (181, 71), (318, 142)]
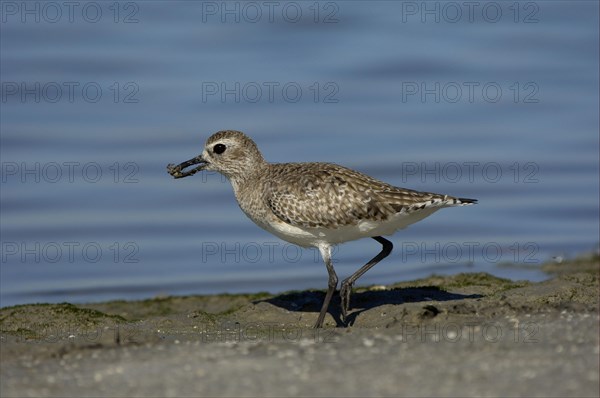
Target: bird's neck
[(251, 177)]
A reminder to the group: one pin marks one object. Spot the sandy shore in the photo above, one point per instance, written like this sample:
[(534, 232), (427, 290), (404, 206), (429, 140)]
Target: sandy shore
[(464, 335)]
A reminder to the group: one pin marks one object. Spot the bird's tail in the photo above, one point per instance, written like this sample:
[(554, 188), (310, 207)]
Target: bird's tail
[(465, 201)]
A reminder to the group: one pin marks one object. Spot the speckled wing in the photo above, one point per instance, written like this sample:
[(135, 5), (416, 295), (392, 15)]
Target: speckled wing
[(330, 196)]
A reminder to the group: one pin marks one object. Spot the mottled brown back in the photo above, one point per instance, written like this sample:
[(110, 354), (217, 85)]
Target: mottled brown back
[(328, 195)]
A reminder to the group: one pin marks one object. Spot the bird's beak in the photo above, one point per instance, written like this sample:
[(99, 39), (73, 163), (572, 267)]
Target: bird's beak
[(178, 171)]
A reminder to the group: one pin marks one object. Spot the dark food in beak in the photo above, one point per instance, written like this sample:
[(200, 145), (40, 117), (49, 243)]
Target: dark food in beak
[(177, 171)]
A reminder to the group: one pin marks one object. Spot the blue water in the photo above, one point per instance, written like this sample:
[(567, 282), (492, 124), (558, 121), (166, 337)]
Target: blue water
[(500, 104)]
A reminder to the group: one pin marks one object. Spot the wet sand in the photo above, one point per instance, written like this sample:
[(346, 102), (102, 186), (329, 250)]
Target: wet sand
[(463, 335)]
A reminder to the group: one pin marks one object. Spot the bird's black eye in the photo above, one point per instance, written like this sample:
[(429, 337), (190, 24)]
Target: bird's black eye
[(219, 149)]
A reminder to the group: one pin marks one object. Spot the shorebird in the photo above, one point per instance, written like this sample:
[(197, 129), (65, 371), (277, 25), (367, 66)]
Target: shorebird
[(314, 204)]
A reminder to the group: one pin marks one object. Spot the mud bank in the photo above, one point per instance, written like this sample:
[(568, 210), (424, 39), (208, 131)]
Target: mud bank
[(468, 334)]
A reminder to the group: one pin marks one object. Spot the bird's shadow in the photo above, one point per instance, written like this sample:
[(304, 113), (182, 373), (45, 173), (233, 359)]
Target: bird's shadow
[(311, 301)]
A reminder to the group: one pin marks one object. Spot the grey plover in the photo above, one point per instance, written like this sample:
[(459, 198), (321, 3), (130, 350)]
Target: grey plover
[(314, 204)]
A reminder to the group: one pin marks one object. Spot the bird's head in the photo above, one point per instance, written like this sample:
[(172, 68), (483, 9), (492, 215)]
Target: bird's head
[(229, 152)]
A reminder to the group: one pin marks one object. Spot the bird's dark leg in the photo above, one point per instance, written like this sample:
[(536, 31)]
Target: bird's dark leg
[(346, 287), (331, 285)]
